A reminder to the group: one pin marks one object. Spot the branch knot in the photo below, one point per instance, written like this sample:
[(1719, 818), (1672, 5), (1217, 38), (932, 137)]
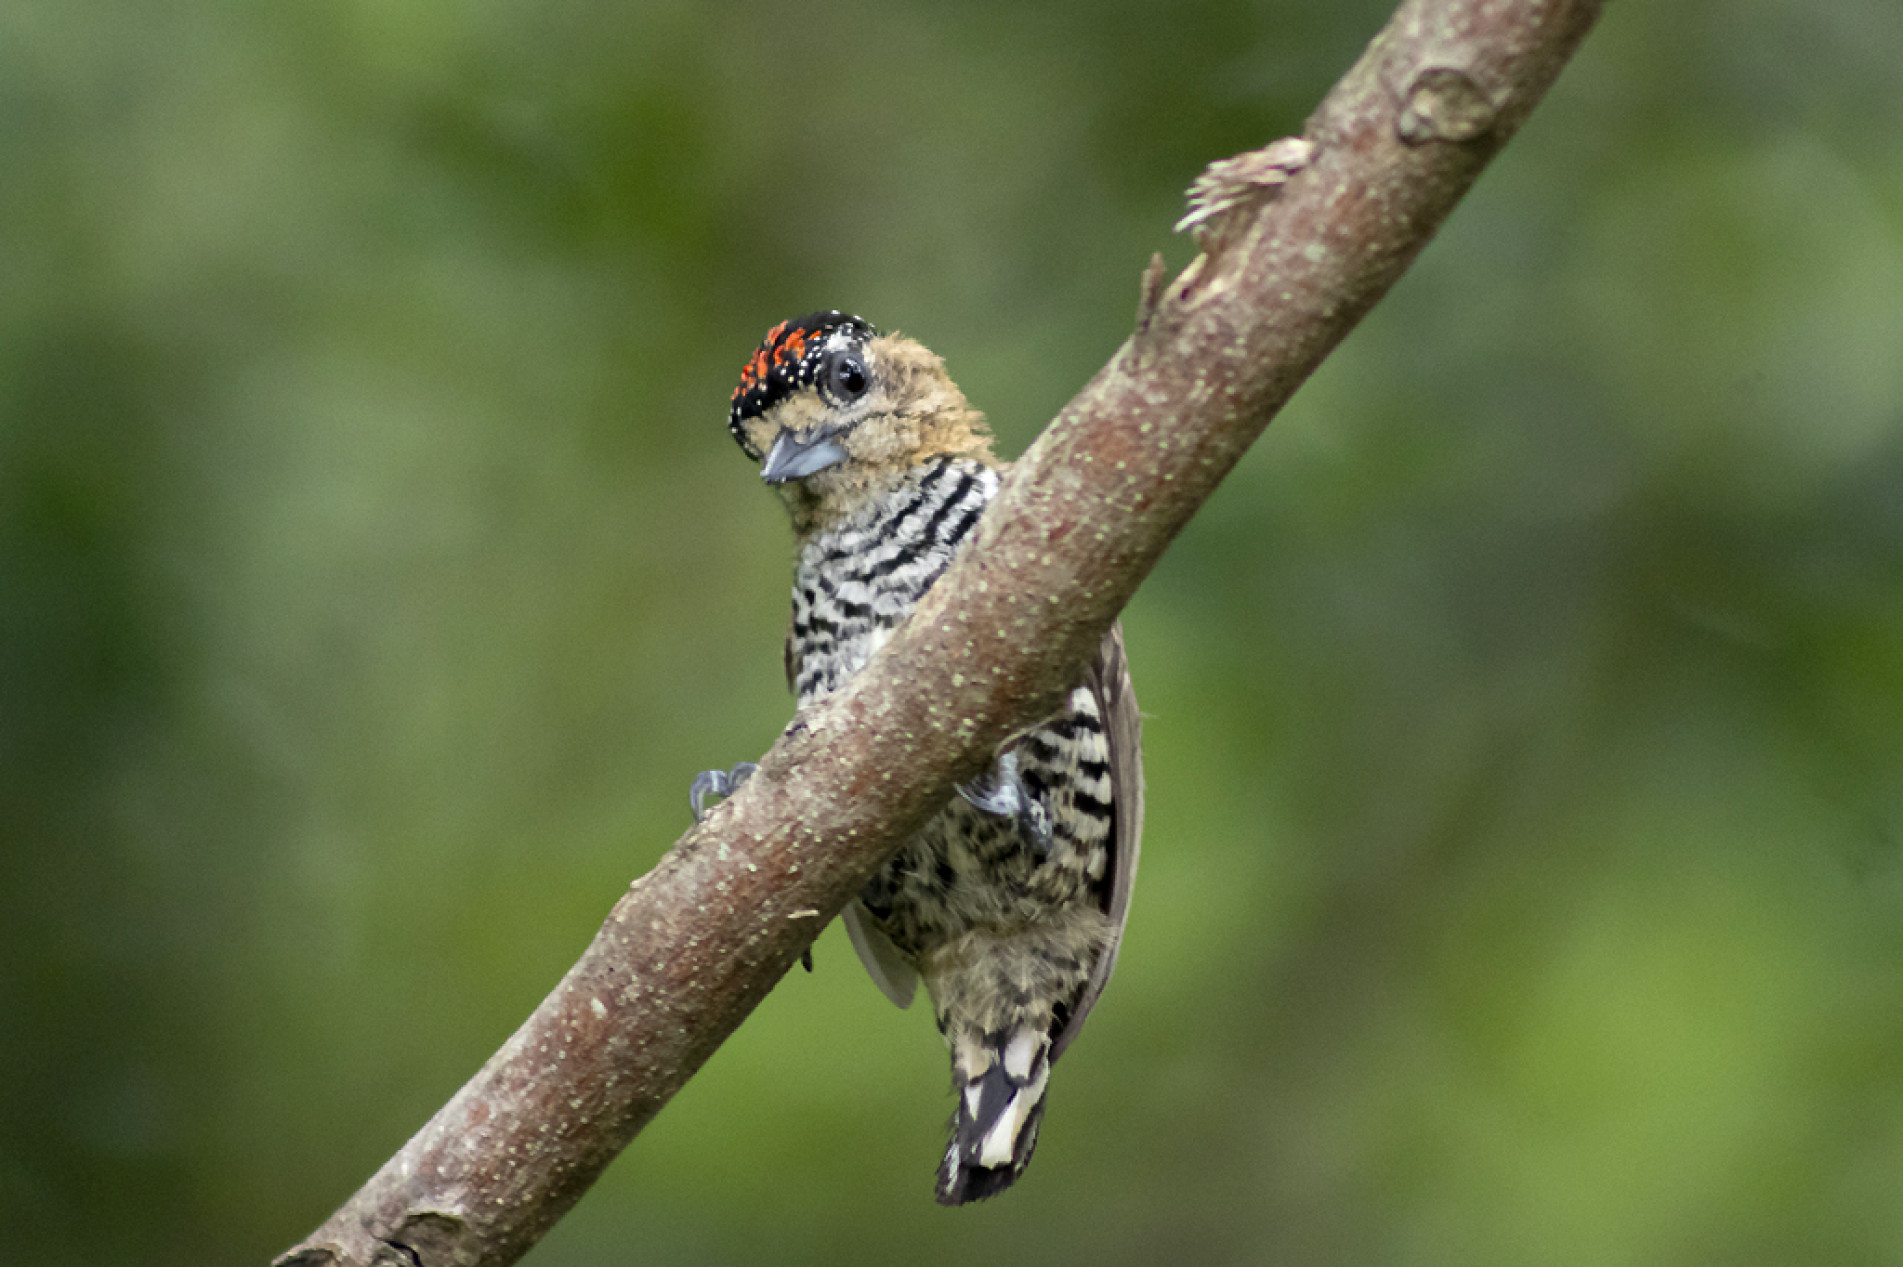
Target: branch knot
[(1443, 103)]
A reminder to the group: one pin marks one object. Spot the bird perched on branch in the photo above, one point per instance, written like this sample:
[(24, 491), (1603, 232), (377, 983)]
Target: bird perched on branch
[(1010, 903)]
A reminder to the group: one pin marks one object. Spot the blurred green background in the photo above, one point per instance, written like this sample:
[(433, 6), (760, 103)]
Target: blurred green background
[(1525, 715)]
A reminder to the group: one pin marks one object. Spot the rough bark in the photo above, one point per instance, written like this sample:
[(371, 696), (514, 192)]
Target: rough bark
[(1298, 243)]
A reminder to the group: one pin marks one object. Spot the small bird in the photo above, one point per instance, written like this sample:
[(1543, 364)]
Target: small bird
[(1010, 903)]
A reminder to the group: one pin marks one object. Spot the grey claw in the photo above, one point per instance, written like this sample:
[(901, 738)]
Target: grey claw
[(1035, 821), (704, 782), (992, 795), (721, 783), (998, 790), (1001, 792)]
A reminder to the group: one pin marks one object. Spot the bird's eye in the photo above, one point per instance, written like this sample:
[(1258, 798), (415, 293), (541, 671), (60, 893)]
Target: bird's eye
[(846, 377)]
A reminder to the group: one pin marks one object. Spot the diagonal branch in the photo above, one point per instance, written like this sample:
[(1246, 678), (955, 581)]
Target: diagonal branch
[(1299, 242)]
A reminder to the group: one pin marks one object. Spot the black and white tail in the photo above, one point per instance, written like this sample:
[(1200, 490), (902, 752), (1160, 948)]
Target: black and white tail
[(1000, 1085)]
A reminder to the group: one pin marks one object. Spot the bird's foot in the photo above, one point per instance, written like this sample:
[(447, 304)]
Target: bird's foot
[(1000, 791), (721, 783)]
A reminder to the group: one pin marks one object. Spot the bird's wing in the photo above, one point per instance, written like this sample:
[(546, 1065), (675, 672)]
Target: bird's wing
[(890, 970), (1109, 681)]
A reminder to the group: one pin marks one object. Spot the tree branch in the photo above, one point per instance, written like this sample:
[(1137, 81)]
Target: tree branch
[(1299, 242)]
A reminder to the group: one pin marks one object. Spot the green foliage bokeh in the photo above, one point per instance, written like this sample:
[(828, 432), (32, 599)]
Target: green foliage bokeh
[(1524, 717)]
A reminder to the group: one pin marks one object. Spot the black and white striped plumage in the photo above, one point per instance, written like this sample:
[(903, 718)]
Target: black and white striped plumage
[(1010, 904)]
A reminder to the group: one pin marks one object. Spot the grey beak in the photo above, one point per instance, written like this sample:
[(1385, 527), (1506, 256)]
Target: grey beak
[(793, 458)]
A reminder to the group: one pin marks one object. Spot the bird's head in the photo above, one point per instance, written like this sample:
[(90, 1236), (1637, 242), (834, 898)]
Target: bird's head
[(836, 412)]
